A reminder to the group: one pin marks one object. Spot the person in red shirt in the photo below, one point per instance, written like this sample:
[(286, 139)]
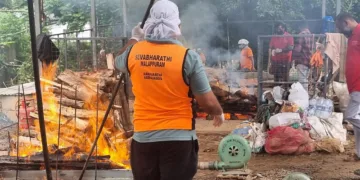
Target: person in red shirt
[(347, 25), (281, 52)]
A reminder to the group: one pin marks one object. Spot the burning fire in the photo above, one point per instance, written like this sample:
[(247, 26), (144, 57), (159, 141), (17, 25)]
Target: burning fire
[(228, 116), (111, 142)]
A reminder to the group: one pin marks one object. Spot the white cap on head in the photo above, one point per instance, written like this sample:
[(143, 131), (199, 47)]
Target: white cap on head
[(163, 21), (243, 41)]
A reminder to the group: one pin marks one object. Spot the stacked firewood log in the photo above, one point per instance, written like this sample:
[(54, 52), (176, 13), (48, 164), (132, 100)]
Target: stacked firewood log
[(236, 91), (78, 100)]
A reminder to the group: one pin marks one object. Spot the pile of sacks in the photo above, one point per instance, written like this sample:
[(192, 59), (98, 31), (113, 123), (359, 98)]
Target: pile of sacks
[(294, 131)]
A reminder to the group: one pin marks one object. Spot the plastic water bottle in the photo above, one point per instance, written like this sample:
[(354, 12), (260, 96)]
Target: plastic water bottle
[(329, 109), (312, 107), (319, 107)]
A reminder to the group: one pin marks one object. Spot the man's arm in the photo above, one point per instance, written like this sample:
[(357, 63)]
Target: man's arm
[(209, 103), (120, 60)]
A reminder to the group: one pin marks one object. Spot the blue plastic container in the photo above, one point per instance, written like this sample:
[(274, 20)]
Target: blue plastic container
[(328, 24)]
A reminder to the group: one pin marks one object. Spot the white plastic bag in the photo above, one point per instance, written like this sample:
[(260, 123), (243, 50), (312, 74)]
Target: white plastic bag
[(277, 94), (299, 96), (330, 128), (284, 119), (342, 93), (257, 137), (293, 73)]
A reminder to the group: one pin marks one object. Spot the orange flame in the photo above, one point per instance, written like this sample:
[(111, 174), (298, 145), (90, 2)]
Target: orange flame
[(72, 137)]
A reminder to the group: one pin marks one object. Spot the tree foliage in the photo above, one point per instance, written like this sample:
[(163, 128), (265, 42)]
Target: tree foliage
[(76, 14), (14, 36)]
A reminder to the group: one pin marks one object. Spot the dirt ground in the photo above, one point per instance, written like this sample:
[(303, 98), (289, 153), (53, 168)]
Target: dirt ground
[(318, 166)]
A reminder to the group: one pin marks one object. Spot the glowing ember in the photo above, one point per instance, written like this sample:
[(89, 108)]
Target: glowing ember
[(227, 116), (75, 138)]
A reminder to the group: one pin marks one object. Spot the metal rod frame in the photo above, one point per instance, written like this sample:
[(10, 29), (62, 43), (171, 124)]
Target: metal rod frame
[(8, 126), (26, 114), (75, 105), (260, 62), (70, 32), (17, 135), (38, 90), (88, 38), (102, 124), (97, 121), (58, 137)]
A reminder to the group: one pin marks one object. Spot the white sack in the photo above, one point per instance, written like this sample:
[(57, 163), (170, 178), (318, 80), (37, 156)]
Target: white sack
[(330, 128)]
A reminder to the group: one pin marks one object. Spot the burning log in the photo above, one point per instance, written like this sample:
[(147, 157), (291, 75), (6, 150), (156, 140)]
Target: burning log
[(220, 90), (25, 141), (25, 132), (244, 95), (69, 94), (54, 84), (80, 113), (36, 162), (71, 103), (77, 131), (80, 124), (86, 89), (49, 96)]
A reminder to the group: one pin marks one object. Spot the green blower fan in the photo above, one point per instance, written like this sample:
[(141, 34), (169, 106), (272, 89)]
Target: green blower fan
[(234, 152)]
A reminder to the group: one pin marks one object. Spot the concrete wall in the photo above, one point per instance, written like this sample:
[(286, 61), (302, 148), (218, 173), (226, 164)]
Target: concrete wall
[(8, 105)]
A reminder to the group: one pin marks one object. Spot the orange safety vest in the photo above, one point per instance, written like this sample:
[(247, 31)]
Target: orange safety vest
[(162, 98)]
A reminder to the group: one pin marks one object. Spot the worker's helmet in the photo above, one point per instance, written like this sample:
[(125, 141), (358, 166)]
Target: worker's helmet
[(243, 41)]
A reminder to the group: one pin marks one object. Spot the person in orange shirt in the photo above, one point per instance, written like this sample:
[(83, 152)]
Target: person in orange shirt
[(246, 56)]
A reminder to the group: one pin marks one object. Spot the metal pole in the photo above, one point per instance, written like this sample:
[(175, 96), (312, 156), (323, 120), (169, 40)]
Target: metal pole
[(58, 138), (93, 33), (38, 25), (26, 113), (59, 63), (38, 90), (9, 139), (326, 77), (75, 105), (17, 135), (124, 13), (77, 53), (102, 124), (228, 38), (65, 52), (37, 17), (8, 126), (97, 121), (323, 9), (338, 7), (260, 68)]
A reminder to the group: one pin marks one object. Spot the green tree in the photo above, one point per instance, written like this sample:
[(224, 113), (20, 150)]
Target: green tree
[(14, 34)]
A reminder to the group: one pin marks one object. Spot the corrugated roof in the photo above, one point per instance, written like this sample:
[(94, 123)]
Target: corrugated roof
[(29, 88)]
